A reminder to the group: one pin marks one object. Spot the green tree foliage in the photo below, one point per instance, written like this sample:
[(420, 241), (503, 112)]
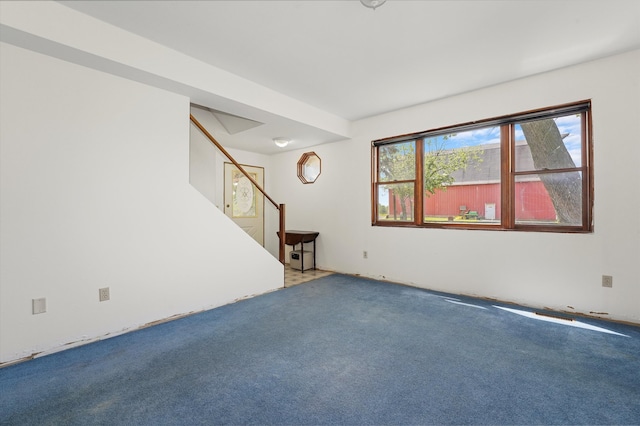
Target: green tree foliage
[(397, 163), (440, 163)]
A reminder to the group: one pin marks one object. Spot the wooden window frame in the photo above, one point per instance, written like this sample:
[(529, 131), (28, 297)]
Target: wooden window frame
[(302, 162), (508, 172)]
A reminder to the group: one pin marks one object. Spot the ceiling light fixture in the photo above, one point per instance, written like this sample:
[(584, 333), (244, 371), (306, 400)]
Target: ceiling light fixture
[(281, 142), (372, 3)]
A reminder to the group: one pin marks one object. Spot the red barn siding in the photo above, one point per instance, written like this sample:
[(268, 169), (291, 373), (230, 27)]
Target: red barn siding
[(473, 197), (532, 202)]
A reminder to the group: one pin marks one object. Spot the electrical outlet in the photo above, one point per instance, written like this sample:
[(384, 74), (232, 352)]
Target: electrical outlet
[(607, 281), (39, 306), (365, 255), (104, 294)]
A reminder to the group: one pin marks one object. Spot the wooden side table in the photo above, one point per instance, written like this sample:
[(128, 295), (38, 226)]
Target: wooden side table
[(293, 238)]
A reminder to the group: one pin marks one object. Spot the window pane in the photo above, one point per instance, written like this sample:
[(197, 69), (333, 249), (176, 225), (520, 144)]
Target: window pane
[(545, 181), (549, 199), (554, 143), (462, 177), (396, 202), (397, 161)]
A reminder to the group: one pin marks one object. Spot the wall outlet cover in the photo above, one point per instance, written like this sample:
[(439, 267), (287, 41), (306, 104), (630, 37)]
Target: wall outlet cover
[(104, 294), (39, 306)]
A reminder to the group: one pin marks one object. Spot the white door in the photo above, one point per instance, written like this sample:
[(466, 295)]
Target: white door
[(490, 211), (243, 202)]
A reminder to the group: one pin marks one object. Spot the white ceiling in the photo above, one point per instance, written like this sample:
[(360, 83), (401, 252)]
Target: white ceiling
[(355, 62)]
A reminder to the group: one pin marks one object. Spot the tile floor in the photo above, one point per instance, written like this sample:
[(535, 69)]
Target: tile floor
[(294, 277)]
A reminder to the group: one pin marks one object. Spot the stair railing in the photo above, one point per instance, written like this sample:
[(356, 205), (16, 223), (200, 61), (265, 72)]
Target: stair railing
[(279, 207)]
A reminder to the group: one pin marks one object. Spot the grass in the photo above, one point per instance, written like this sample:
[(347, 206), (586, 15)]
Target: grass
[(430, 219)]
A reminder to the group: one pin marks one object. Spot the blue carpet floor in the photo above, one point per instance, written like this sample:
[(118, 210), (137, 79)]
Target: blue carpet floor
[(340, 350)]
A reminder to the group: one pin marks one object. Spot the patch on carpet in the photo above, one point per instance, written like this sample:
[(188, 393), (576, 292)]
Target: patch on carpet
[(557, 320), (457, 302)]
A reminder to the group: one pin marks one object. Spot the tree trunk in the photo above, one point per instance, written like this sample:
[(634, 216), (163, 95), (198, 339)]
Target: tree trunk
[(403, 206), (549, 152)]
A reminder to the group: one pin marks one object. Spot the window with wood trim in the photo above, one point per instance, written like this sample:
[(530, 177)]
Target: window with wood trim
[(527, 171)]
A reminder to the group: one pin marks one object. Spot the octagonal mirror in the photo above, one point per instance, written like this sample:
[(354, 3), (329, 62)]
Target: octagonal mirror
[(309, 167)]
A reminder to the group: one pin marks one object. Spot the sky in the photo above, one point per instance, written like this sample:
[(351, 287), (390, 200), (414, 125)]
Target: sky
[(570, 124)]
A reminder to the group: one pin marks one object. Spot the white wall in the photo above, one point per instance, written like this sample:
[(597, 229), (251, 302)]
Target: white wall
[(95, 192), (203, 173), (560, 271)]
